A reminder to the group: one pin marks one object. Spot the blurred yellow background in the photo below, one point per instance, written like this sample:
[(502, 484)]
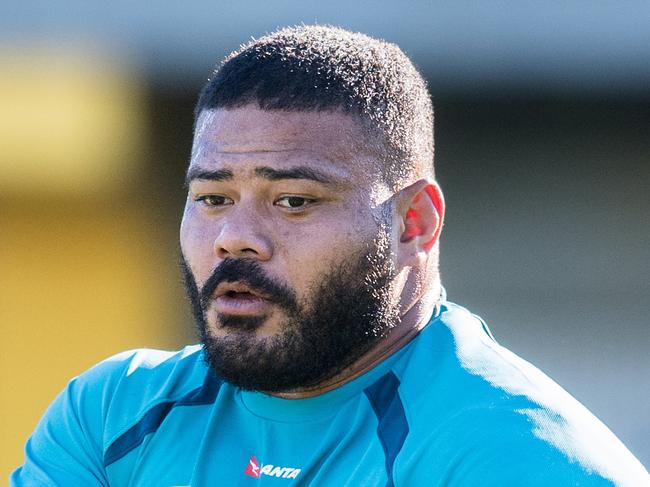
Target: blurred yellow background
[(83, 273)]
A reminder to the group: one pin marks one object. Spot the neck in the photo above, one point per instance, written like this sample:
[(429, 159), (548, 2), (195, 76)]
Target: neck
[(411, 322)]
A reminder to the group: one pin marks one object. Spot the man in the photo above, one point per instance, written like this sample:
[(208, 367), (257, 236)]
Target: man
[(329, 355)]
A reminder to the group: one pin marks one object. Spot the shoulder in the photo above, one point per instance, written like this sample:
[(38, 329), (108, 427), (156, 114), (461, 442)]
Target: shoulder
[(495, 414), (531, 446), (120, 389), (143, 369), (69, 444)]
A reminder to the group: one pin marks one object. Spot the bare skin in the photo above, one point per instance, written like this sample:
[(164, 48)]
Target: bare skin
[(294, 192)]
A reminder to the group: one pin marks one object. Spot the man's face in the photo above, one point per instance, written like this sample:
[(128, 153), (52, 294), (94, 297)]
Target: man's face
[(286, 254)]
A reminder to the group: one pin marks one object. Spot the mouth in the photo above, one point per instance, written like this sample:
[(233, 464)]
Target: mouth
[(234, 298)]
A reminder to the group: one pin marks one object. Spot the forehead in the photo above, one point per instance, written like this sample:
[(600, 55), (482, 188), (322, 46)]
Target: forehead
[(329, 140)]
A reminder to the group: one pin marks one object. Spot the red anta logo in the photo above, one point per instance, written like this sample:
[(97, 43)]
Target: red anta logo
[(254, 469)]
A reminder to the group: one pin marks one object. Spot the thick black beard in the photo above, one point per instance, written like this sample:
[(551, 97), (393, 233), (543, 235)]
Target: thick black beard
[(348, 313)]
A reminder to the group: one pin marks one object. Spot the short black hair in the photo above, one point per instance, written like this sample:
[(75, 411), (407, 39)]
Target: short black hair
[(325, 68)]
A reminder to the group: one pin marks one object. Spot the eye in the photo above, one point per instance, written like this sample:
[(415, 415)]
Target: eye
[(213, 200), (294, 202)]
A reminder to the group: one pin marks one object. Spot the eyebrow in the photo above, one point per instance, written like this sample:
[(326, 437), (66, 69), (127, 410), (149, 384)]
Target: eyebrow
[(299, 172), (268, 173), (208, 175)]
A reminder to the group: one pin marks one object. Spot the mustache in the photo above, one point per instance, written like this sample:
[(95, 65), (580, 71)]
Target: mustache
[(251, 273)]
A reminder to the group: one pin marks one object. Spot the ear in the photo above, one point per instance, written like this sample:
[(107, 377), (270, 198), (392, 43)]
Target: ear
[(421, 210)]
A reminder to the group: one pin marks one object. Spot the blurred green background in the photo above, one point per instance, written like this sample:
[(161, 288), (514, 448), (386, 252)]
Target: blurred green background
[(542, 150)]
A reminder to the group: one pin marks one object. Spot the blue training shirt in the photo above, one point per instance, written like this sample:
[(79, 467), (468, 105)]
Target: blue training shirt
[(451, 408)]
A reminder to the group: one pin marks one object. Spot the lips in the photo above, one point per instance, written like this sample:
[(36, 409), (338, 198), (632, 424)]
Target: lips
[(236, 298)]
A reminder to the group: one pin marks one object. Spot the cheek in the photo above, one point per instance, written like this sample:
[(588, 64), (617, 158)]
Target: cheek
[(313, 240), (196, 246), (312, 251)]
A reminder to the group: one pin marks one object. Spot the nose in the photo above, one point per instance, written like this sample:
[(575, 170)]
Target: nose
[(242, 236)]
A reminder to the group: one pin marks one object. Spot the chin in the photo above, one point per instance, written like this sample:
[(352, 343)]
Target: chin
[(255, 325)]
